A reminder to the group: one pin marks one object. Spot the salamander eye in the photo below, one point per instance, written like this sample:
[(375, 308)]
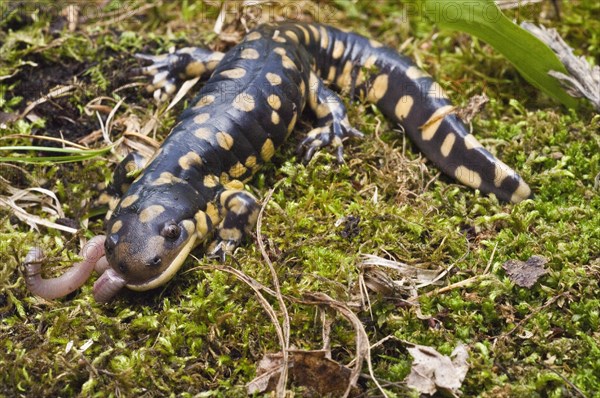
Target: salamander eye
[(171, 231)]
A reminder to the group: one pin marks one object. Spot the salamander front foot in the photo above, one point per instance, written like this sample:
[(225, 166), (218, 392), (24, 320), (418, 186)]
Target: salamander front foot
[(330, 135)]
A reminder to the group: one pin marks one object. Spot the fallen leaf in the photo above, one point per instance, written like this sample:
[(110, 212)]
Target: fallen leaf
[(314, 370), (473, 107), (525, 274), (431, 370)]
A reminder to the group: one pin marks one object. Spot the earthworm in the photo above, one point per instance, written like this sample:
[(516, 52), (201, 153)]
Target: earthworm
[(71, 280), (109, 283)]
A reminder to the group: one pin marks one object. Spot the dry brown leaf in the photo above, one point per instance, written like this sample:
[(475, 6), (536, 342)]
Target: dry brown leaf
[(473, 108), (432, 371), (392, 277), (313, 370), (526, 274)]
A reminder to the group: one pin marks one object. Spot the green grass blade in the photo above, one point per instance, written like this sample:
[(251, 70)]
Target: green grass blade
[(74, 154), (482, 18)]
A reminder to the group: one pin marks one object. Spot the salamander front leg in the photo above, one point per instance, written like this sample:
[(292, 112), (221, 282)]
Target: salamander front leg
[(239, 212), (332, 121), (126, 171), (170, 70)]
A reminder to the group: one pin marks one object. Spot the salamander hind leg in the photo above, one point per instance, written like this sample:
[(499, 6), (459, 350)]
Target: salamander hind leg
[(239, 211), (332, 121), (170, 70)]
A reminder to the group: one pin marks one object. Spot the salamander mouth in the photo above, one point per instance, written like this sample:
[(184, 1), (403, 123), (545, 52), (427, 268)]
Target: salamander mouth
[(170, 271)]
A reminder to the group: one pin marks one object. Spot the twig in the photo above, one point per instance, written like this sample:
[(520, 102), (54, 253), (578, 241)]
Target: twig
[(573, 386)]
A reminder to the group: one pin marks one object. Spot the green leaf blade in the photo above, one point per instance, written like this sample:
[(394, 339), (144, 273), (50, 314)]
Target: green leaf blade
[(483, 19)]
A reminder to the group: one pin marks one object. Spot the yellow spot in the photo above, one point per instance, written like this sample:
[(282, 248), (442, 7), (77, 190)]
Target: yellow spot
[(331, 74), (202, 228), (189, 226), (212, 213), (436, 91), (273, 78), (302, 88), (280, 39), (403, 106), (211, 65), (324, 38), (225, 195), (214, 60), (322, 110), (244, 102), (280, 50), (250, 161), (315, 32), (274, 101), (235, 73), (344, 79), (189, 160), (253, 36), (129, 200), (338, 49), (287, 62), (116, 227), (375, 44), (379, 88), (275, 119), (166, 178), (235, 185), (431, 126), (521, 193), (237, 170), (268, 150), (415, 73), (313, 86), (210, 181), (201, 118), (468, 177), (501, 172), (225, 140), (230, 234), (151, 212), (292, 124), (448, 144), (203, 133), (305, 32), (195, 69), (206, 100), (370, 61), (224, 179), (292, 35), (471, 142), (250, 53)]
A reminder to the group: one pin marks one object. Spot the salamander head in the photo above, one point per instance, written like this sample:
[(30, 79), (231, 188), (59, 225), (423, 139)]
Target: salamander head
[(148, 254), (150, 235)]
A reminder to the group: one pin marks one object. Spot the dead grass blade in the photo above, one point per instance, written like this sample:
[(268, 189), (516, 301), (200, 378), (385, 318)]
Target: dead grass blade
[(41, 137), (282, 306), (56, 92), (26, 198)]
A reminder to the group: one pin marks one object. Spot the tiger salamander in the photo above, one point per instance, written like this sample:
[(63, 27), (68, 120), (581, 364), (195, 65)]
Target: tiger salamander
[(192, 188)]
